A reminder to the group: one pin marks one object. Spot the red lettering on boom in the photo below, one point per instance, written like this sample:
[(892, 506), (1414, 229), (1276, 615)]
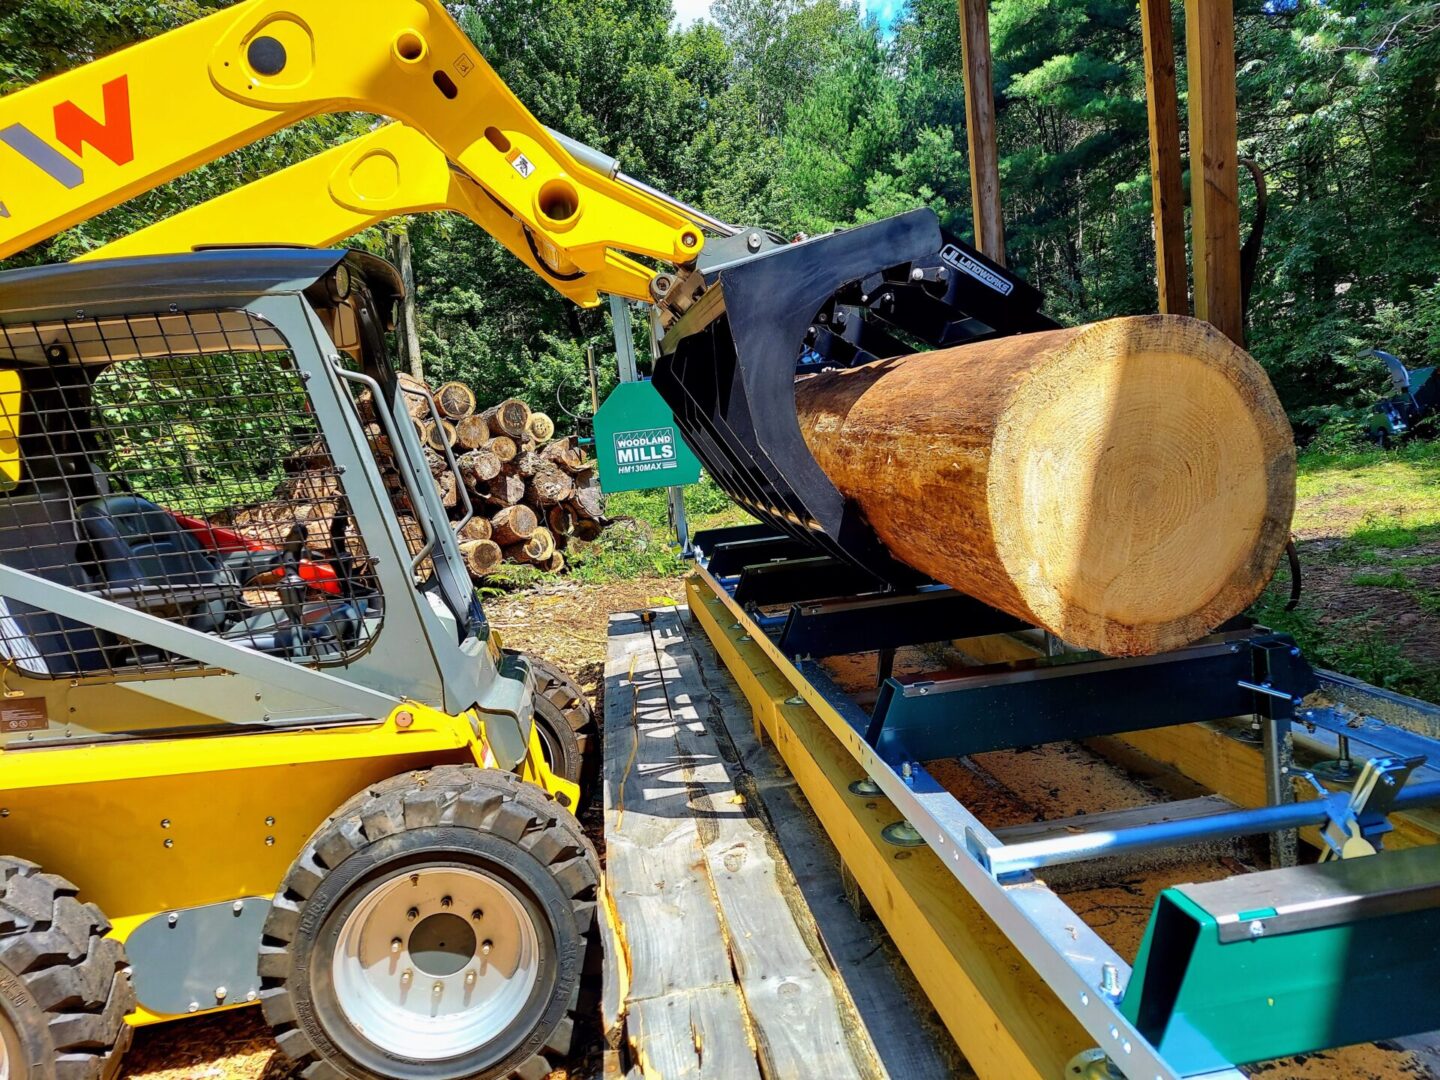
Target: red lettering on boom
[(113, 137)]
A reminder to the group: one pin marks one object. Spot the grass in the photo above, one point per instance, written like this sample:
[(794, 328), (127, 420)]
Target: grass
[(1380, 506), (1393, 490)]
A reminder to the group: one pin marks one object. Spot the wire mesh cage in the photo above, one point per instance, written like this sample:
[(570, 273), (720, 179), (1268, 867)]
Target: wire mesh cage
[(172, 464)]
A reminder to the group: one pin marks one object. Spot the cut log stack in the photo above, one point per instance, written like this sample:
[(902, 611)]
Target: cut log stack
[(531, 492)]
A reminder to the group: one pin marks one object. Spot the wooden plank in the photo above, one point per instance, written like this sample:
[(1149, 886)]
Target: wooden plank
[(1167, 194), (790, 1000), (692, 1034), (980, 129), (1004, 1018), (1214, 183), (907, 1036), (674, 964), (721, 980)]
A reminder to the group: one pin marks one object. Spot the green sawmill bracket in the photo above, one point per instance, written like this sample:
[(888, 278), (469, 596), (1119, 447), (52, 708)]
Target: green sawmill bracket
[(1290, 961), (638, 444)]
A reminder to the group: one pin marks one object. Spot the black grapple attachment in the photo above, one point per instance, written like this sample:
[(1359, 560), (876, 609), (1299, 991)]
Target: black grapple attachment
[(758, 313)]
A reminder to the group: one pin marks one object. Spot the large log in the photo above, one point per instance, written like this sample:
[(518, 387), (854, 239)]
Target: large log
[(1127, 485)]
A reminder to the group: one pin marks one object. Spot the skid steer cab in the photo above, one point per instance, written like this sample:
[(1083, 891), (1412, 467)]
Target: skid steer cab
[(257, 743)]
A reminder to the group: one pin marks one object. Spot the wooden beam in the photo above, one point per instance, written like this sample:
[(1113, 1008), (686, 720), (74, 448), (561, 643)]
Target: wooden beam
[(980, 129), (1214, 183), (1167, 194)]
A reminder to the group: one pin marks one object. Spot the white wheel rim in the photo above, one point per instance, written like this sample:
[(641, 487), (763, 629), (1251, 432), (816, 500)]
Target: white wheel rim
[(7, 1032), (435, 963)]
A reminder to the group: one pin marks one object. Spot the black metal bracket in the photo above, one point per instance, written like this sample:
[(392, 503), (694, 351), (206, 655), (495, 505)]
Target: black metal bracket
[(1079, 696), (730, 362)]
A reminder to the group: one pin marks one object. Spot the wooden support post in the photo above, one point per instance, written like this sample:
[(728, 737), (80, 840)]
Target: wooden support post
[(1166, 191), (1214, 184), (398, 245), (980, 129)]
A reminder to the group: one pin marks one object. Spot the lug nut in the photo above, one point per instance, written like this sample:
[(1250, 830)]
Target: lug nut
[(438, 989), (405, 977), (395, 945), (446, 901), (477, 914), (412, 914), (485, 947), (470, 978)]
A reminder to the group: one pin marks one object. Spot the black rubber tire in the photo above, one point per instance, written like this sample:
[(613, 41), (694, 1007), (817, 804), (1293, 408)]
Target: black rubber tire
[(449, 814), (567, 727), (64, 986)]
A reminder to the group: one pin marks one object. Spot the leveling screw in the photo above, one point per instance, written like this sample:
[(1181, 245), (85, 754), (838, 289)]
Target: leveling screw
[(1110, 981)]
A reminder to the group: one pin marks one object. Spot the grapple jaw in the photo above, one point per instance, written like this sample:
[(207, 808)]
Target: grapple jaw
[(757, 313)]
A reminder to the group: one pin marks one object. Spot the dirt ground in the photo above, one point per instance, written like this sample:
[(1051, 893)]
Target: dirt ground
[(561, 621)]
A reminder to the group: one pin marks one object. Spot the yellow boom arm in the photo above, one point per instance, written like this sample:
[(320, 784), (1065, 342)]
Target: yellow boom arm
[(84, 141), (392, 171)]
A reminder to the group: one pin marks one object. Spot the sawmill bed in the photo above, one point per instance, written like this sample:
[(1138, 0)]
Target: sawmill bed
[(1000, 944)]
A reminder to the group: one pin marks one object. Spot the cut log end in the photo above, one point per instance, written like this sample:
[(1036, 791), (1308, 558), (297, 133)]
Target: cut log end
[(1127, 485)]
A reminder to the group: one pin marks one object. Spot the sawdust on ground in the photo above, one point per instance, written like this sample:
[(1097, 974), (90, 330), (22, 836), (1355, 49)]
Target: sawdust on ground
[(563, 622)]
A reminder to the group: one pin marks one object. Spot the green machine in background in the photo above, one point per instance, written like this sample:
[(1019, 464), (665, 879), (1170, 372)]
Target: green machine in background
[(638, 444)]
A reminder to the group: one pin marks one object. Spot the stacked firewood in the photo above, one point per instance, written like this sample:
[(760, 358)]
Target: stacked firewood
[(531, 493)]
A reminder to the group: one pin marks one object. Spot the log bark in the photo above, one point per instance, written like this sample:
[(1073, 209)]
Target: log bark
[(511, 417), (550, 485), (478, 467), (1127, 485), (471, 432), (513, 525), (506, 490), (481, 556), (438, 436), (503, 447), (477, 528)]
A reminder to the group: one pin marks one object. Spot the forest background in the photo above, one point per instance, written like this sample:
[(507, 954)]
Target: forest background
[(808, 115)]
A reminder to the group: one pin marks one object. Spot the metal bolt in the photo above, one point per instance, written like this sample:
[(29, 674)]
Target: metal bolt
[(753, 241), (438, 989), (1110, 981), (405, 977), (1257, 929), (412, 914), (795, 700), (486, 946), (446, 902), (1294, 650), (169, 843), (238, 906), (172, 918), (477, 914), (470, 978), (4, 813), (414, 880), (165, 823), (269, 841), (269, 822), (194, 1006), (395, 945), (221, 993), (251, 996)]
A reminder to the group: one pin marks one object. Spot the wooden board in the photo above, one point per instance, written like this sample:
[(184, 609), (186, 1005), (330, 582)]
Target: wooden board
[(720, 976), (1167, 193), (980, 129), (1214, 181)]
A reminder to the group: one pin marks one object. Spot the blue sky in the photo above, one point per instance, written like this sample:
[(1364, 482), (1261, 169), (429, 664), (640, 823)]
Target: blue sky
[(885, 11)]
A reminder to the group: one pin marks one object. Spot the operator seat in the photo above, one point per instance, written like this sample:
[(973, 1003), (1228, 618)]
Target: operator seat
[(142, 553)]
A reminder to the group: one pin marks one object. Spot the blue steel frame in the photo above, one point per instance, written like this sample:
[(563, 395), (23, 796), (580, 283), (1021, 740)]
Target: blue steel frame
[(1236, 673)]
